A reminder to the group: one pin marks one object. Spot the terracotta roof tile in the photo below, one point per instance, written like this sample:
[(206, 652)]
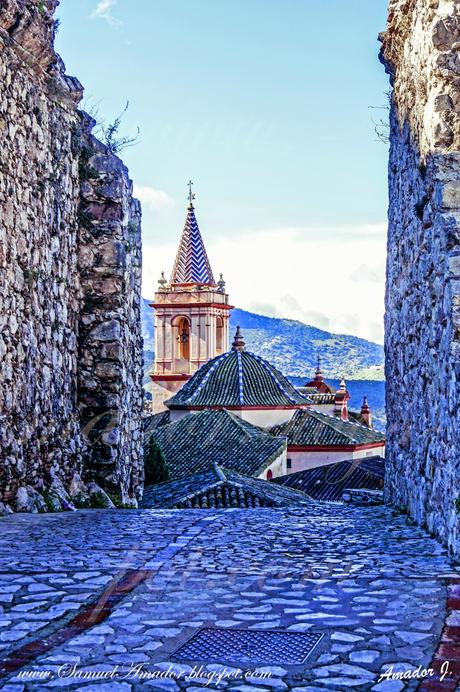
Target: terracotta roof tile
[(309, 427), (220, 488), (197, 441), (155, 421), (237, 379), (329, 482)]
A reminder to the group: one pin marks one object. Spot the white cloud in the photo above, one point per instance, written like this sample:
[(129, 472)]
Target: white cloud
[(368, 272), (155, 200), (311, 274), (103, 10)]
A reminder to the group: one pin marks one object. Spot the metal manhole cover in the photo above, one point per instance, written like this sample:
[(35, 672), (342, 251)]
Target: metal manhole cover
[(243, 646)]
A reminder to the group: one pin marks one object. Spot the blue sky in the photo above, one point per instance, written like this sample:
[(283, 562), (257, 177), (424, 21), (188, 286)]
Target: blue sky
[(265, 105)]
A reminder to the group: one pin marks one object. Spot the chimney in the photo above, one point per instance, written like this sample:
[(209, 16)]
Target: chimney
[(341, 402), (366, 415)]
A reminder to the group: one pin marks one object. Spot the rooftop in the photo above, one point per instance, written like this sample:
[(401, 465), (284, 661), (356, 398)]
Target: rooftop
[(318, 383), (309, 427), (192, 264), (319, 398), (154, 421), (329, 482), (220, 488), (237, 379), (197, 441)]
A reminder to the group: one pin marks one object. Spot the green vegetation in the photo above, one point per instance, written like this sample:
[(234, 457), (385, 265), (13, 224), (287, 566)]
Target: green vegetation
[(155, 467), (31, 276), (110, 134), (117, 501), (84, 220), (98, 501), (41, 7), (85, 170), (81, 501), (50, 502), (293, 347)]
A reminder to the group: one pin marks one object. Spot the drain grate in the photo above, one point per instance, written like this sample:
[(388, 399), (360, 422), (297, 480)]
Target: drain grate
[(243, 646)]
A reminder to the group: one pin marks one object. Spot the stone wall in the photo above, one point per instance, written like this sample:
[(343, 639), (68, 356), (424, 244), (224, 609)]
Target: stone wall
[(70, 344), (110, 362), (421, 53)]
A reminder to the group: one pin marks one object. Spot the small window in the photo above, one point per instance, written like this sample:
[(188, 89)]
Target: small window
[(269, 475), (289, 463), (219, 335), (183, 338)]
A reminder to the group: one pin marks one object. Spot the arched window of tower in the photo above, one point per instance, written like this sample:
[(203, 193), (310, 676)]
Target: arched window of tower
[(181, 327), (219, 335)]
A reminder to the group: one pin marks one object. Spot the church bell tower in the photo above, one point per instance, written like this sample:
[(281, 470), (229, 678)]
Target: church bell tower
[(191, 314)]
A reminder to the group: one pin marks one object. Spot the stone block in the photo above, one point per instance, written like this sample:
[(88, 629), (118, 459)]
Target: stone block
[(29, 500), (107, 331), (99, 497), (446, 32), (449, 195)]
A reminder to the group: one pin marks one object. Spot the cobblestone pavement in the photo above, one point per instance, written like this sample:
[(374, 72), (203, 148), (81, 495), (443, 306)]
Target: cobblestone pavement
[(371, 583)]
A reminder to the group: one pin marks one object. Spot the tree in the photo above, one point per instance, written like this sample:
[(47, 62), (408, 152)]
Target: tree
[(155, 467)]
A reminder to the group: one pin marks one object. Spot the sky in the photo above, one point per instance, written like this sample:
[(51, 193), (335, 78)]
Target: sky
[(268, 106)]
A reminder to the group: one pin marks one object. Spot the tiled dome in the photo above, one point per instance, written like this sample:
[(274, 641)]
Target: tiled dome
[(237, 379)]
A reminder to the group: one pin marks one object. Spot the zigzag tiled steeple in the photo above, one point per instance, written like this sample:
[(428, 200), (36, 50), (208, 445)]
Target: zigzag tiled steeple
[(191, 314), (192, 264)]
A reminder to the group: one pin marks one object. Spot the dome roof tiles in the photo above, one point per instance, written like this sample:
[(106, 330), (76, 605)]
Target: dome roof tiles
[(237, 379)]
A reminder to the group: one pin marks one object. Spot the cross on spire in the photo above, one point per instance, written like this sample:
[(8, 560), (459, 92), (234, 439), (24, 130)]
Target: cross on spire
[(318, 361), (191, 195), (318, 375)]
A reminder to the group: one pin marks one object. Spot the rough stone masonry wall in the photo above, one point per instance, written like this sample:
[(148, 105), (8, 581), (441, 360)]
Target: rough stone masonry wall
[(70, 344), (421, 51), (110, 366)]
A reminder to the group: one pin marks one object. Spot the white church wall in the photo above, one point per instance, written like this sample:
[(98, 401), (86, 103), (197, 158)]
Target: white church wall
[(309, 460), (278, 467), (328, 409), (265, 418)]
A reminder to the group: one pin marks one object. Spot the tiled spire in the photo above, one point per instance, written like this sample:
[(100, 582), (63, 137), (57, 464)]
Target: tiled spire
[(192, 264)]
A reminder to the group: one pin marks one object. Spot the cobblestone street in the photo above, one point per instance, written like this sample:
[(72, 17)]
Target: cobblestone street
[(108, 588)]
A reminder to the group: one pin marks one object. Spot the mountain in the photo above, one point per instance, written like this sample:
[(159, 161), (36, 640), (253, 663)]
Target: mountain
[(148, 325), (293, 347)]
